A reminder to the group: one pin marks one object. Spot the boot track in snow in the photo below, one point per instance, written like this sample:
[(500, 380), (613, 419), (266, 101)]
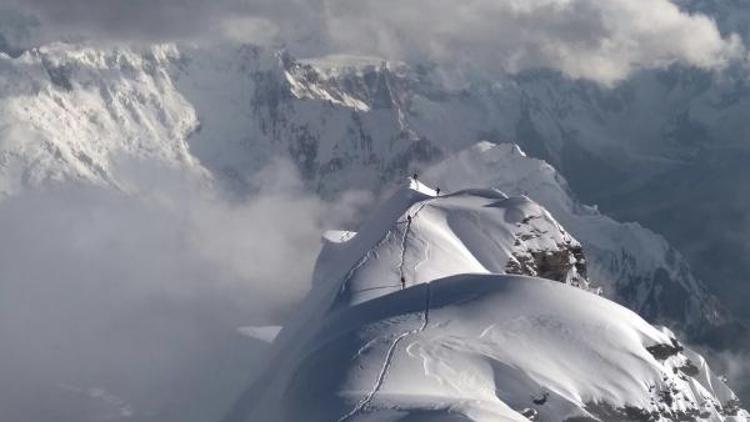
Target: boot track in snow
[(394, 345)]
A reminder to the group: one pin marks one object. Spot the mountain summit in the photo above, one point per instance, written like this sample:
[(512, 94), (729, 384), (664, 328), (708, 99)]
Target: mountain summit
[(472, 306)]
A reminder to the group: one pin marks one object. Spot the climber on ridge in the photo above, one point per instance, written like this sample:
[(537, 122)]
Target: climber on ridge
[(408, 219), (437, 191), (403, 282)]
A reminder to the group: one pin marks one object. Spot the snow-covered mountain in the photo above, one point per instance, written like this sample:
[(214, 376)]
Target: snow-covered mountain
[(71, 113), (417, 317), (635, 266), (342, 118), (76, 113)]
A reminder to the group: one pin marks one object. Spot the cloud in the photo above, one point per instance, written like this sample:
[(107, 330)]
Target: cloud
[(601, 40), (125, 306), (158, 20), (132, 19)]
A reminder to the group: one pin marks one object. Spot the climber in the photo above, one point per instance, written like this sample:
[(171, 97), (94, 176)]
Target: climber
[(415, 177), (403, 282), (408, 219), (437, 191)]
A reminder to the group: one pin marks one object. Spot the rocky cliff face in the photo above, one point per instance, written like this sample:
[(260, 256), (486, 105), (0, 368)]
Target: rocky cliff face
[(564, 262)]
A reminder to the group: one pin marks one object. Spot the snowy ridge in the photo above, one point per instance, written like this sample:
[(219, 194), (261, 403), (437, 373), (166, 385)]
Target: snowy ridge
[(462, 340), (635, 266), (478, 231)]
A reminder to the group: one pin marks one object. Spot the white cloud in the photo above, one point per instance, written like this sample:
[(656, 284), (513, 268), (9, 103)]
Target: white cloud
[(141, 294), (249, 29), (601, 40)]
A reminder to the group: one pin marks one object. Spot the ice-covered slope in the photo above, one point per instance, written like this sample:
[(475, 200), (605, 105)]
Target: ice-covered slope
[(462, 340), (635, 266)]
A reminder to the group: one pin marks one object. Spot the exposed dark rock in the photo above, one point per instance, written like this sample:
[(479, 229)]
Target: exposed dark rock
[(304, 148), (731, 408), (607, 413), (664, 351), (689, 369), (530, 414), (666, 397), (554, 265)]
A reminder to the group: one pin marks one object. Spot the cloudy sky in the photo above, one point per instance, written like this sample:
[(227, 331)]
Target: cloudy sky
[(601, 40)]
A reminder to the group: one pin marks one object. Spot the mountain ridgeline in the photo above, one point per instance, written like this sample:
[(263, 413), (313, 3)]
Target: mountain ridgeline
[(438, 309), (73, 113)]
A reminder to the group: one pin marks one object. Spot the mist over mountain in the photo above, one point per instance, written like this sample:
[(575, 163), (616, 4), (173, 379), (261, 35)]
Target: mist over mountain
[(167, 169)]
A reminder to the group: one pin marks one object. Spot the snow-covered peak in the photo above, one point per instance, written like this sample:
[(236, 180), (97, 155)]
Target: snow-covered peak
[(416, 318), (420, 235), (635, 266)]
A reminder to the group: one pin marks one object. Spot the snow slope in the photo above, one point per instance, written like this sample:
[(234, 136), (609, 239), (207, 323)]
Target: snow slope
[(463, 340), (478, 231), (635, 266)]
